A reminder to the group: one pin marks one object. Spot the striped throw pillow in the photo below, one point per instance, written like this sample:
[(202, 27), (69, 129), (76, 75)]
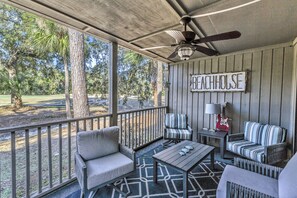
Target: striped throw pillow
[(170, 120), (253, 131), (176, 121), (272, 135)]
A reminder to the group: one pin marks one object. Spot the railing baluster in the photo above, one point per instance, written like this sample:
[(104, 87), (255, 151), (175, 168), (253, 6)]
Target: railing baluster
[(104, 122), (69, 150), (49, 141), (125, 122), (92, 124), (77, 126), (142, 127), (135, 130), (98, 123), (39, 160), (146, 127), (129, 132), (60, 154), (132, 130), (13, 165), (139, 128), (121, 129), (27, 163), (85, 125)]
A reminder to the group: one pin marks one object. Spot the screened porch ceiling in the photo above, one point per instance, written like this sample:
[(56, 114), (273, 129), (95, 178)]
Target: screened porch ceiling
[(138, 24)]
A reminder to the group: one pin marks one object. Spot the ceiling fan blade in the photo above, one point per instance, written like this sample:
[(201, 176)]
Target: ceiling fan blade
[(174, 54), (206, 51), (219, 7), (177, 35), (156, 47), (218, 37)]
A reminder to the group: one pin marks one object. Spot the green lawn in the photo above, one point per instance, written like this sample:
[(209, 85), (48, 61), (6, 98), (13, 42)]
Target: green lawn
[(27, 100)]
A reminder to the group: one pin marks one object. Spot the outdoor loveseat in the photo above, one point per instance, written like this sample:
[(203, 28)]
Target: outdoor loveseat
[(262, 143)]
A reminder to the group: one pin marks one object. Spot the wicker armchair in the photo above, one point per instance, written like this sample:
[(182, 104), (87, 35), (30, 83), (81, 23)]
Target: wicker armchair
[(253, 179), (262, 143)]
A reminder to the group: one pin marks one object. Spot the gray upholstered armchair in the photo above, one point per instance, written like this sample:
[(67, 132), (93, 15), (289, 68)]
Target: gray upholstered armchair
[(100, 160), (177, 128), (253, 179)]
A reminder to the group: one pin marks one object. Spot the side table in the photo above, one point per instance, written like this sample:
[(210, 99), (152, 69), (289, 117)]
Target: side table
[(221, 135)]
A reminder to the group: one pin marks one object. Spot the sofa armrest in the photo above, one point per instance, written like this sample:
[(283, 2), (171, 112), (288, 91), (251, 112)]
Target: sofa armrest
[(235, 137), (81, 171), (130, 153), (256, 167), (190, 129), (235, 190), (275, 153)]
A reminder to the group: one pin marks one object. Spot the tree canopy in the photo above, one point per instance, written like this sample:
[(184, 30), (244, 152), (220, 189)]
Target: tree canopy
[(34, 52)]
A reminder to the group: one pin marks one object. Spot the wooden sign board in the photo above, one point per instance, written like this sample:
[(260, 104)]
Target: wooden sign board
[(221, 82)]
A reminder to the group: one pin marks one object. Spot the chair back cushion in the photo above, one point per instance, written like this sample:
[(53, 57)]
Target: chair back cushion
[(287, 181), (252, 132), (95, 144), (176, 121), (272, 134)]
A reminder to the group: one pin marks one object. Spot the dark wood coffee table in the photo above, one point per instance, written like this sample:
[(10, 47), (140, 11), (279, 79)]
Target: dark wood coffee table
[(184, 164)]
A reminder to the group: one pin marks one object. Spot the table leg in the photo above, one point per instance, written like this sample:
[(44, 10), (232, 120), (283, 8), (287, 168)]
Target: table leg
[(212, 160), (155, 171), (185, 185), (222, 147)]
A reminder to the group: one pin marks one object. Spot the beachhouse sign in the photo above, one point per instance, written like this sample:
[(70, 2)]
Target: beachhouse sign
[(222, 82)]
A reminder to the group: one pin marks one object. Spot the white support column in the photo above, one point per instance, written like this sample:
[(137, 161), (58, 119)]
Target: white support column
[(113, 82)]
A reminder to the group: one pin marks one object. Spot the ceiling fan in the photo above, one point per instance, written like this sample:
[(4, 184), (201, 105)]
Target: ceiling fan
[(186, 44)]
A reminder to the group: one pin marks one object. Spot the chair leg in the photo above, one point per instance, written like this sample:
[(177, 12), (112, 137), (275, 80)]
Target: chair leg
[(81, 194), (128, 188), (119, 190)]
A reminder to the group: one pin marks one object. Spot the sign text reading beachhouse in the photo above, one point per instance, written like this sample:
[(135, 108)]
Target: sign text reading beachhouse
[(219, 82)]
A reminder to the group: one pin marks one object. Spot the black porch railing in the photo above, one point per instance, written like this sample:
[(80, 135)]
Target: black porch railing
[(37, 159)]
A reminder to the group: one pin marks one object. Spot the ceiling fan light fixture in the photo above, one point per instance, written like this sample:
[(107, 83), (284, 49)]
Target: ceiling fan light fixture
[(185, 52)]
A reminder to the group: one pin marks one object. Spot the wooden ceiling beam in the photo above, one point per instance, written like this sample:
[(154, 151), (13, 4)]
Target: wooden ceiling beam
[(154, 33)]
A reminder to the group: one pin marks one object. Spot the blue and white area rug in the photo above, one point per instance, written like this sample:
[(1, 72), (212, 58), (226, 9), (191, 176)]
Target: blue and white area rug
[(203, 181)]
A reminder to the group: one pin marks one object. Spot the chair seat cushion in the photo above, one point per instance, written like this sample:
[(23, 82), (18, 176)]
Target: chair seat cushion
[(255, 153), (248, 179), (180, 134), (107, 168), (247, 149)]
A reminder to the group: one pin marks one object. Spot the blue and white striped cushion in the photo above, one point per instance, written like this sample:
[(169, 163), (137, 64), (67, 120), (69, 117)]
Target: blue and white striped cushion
[(178, 134), (247, 149), (181, 121), (176, 121), (253, 131), (255, 152), (239, 146), (272, 135), (170, 120)]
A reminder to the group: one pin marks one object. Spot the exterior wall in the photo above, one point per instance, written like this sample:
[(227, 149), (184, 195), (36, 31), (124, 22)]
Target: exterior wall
[(269, 88)]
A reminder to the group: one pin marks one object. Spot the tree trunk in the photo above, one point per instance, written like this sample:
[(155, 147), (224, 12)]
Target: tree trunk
[(158, 86), (67, 95), (15, 95), (77, 61)]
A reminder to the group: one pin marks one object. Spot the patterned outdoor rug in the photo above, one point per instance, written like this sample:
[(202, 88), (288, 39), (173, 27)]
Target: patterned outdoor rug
[(202, 180)]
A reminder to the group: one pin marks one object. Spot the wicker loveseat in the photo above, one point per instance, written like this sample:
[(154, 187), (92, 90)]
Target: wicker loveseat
[(262, 143)]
